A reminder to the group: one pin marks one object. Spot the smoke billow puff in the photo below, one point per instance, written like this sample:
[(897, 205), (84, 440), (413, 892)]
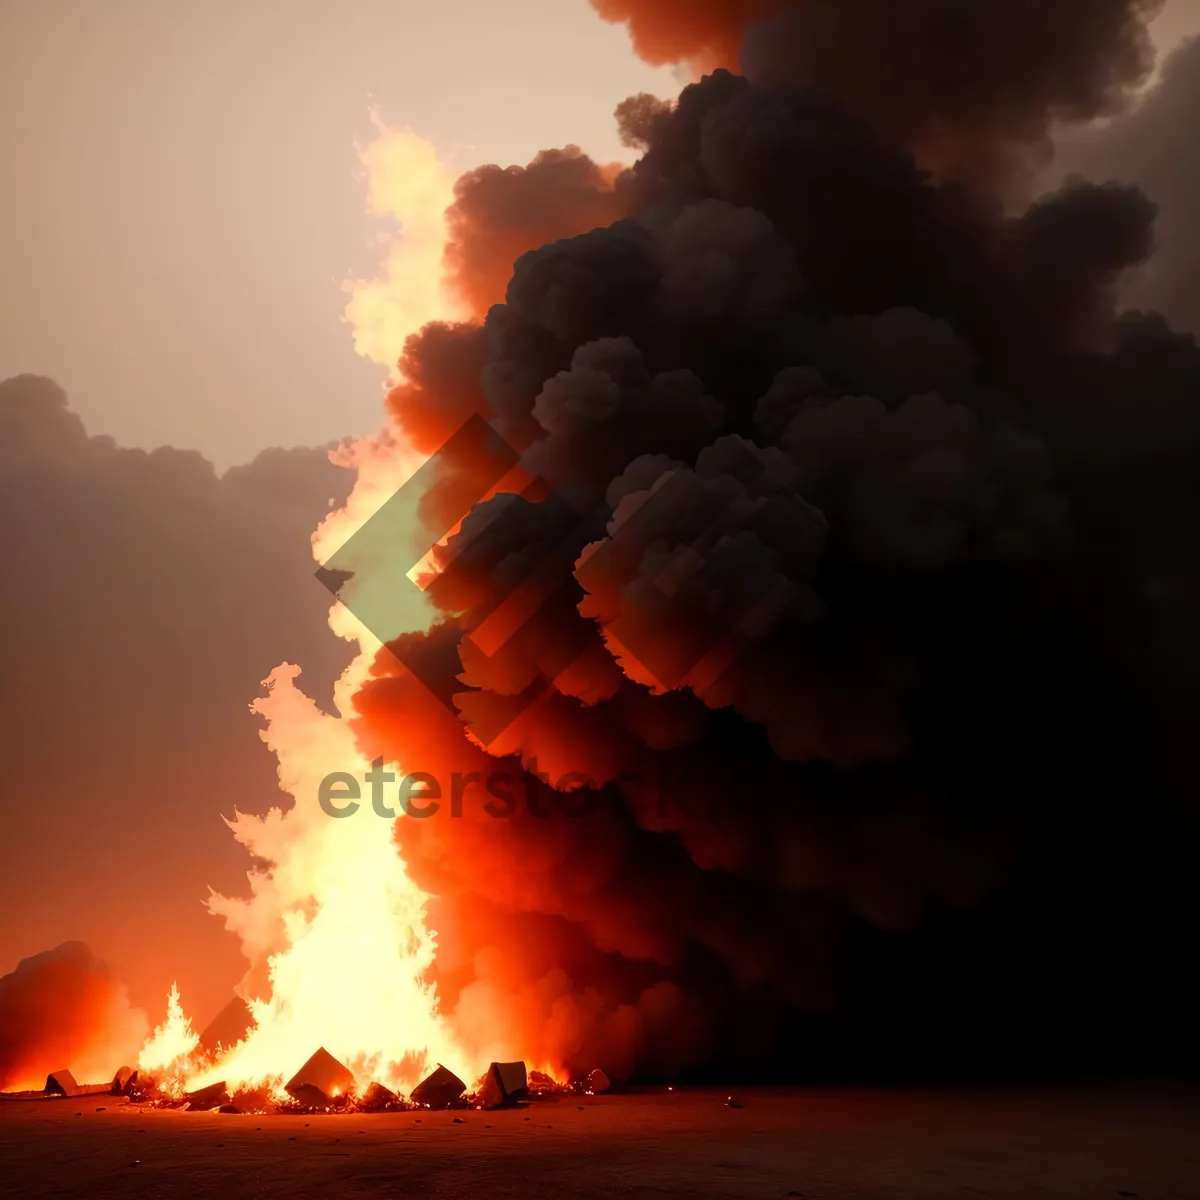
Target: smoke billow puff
[(146, 597), (968, 85), (1151, 145), (856, 560)]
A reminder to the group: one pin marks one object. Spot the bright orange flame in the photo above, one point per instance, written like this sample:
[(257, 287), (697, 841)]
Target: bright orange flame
[(168, 1054), (350, 975), (332, 909)]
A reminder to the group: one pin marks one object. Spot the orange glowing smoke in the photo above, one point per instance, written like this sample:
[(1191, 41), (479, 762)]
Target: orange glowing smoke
[(704, 34), (62, 1008)]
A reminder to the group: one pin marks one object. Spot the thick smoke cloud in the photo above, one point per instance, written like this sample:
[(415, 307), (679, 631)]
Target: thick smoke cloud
[(844, 718), (1153, 146), (964, 84), (146, 598), (706, 34), (498, 214), (61, 1009)]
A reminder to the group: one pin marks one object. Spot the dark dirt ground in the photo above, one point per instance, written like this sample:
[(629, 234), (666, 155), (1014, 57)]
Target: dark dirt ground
[(1107, 1144)]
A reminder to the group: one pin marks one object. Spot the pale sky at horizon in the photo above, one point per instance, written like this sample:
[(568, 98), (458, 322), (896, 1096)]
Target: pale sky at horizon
[(184, 196)]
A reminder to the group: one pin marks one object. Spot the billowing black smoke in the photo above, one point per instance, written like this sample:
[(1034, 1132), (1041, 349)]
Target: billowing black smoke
[(863, 571)]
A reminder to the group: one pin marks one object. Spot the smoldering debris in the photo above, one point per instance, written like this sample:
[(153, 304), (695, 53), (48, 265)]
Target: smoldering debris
[(321, 1082), (598, 1082), (124, 1081), (61, 1083), (212, 1096), (503, 1085), (325, 1085), (439, 1090), (378, 1098)]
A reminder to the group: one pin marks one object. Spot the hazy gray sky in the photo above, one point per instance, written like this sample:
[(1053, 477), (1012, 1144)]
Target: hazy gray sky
[(182, 192)]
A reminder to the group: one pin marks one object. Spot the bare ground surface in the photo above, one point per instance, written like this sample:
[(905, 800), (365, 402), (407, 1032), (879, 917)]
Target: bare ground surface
[(1104, 1144)]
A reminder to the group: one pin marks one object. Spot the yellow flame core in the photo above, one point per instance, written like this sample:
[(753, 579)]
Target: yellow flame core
[(332, 910), (168, 1054), (356, 948), (410, 185)]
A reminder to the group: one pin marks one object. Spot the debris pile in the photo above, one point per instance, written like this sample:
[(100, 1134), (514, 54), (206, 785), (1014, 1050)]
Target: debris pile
[(205, 1098), (503, 1085), (378, 1098), (62, 1083), (323, 1084), (440, 1090), (124, 1081)]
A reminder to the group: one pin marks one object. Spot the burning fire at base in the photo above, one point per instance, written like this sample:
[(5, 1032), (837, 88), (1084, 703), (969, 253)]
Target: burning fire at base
[(352, 976), (323, 1084)]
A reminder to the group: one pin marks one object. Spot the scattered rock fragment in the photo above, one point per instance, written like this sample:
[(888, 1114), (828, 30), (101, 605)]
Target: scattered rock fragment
[(321, 1081), (62, 1083), (123, 1081), (378, 1098), (504, 1083), (730, 1102), (212, 1096), (439, 1090), (142, 1089)]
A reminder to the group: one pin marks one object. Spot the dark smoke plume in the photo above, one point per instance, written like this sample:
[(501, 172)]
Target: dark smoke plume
[(1154, 147), (964, 84), (845, 720), (498, 214)]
